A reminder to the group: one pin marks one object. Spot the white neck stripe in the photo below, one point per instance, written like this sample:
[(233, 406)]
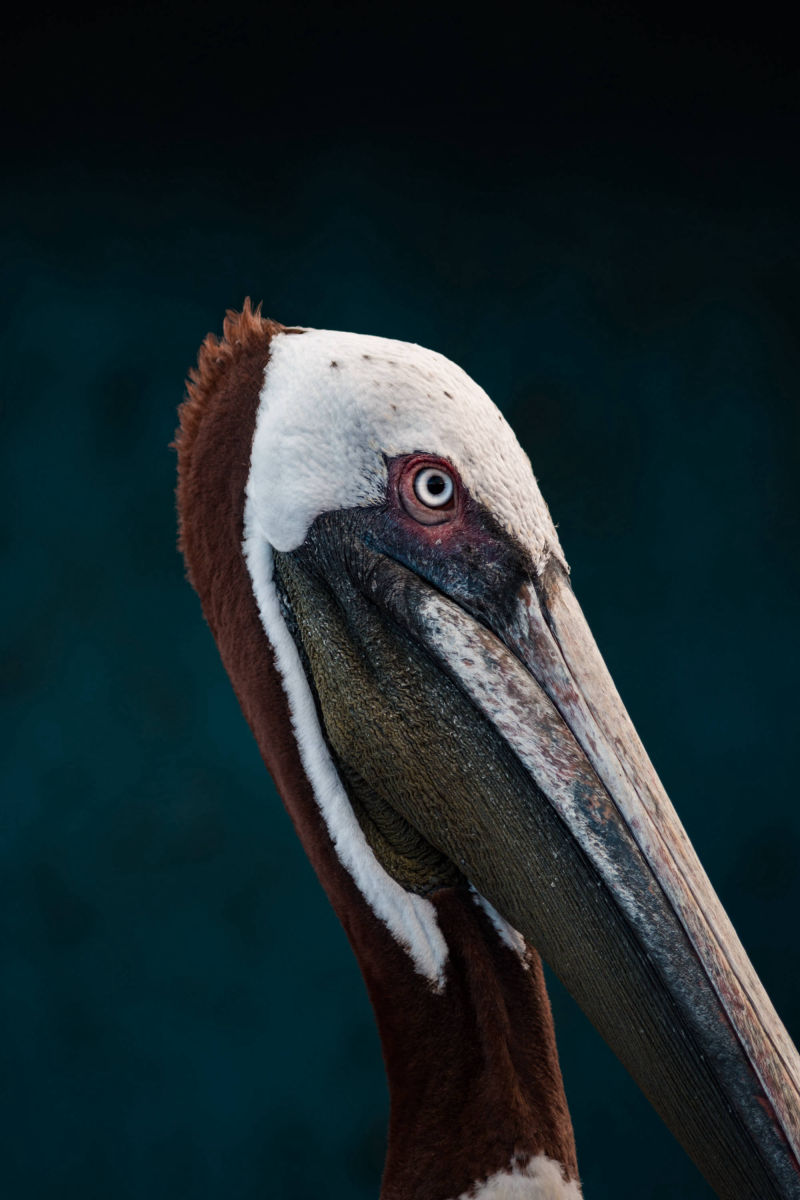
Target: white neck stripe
[(411, 919)]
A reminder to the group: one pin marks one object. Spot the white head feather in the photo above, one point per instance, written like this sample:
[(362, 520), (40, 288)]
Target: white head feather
[(334, 404)]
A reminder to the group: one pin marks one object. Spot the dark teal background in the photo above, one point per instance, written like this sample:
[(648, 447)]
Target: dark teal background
[(599, 223)]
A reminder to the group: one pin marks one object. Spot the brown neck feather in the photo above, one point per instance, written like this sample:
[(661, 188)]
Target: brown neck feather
[(473, 1070)]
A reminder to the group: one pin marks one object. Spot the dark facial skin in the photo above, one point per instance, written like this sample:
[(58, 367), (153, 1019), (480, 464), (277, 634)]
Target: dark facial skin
[(465, 554)]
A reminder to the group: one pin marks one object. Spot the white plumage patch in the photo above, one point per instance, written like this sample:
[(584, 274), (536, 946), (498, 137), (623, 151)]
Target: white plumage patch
[(411, 919), (334, 404), (539, 1179), (510, 936)]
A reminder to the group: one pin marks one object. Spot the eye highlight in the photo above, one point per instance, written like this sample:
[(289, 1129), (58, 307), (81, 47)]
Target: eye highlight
[(433, 487)]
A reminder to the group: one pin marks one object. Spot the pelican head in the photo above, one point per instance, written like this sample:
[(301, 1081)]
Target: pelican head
[(391, 600)]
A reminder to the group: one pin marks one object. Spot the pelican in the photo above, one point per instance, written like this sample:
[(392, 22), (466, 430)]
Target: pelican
[(390, 599)]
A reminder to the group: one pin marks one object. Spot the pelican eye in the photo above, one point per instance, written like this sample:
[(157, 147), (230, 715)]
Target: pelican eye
[(433, 487)]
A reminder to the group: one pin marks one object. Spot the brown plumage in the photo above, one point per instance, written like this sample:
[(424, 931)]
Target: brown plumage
[(473, 1071)]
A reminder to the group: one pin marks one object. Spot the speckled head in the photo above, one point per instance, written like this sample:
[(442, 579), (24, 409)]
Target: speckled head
[(336, 406)]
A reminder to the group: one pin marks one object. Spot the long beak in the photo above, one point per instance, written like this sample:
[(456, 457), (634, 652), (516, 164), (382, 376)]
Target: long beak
[(627, 919)]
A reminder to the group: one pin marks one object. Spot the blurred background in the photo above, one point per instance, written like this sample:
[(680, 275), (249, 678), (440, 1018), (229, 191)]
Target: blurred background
[(599, 222)]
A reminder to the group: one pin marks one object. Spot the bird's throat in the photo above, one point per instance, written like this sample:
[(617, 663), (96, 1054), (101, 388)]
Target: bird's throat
[(473, 1069)]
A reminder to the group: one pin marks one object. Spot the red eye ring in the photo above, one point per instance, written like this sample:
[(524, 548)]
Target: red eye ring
[(429, 490)]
